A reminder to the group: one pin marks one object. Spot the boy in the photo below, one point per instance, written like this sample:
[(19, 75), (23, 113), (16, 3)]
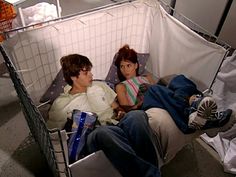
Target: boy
[(82, 93)]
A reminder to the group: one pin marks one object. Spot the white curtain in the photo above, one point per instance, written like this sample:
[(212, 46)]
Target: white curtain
[(176, 49)]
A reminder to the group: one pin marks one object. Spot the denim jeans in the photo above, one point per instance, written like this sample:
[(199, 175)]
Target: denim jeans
[(174, 99), (129, 145)]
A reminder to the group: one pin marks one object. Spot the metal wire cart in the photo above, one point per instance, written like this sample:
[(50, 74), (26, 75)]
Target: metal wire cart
[(33, 60)]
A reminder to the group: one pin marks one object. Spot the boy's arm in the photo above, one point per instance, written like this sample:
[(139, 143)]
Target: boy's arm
[(58, 113)]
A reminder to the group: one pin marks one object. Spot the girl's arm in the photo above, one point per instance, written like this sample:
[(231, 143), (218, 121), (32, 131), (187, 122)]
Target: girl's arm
[(150, 79), (122, 94), (123, 100)]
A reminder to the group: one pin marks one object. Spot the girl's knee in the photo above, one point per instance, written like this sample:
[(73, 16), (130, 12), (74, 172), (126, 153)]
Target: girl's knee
[(136, 112), (134, 119)]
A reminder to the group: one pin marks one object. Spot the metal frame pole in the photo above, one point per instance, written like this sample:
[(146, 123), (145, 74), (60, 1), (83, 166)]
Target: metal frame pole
[(223, 17), (172, 5)]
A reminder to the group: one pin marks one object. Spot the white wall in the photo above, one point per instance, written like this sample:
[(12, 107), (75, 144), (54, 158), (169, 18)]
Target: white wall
[(206, 13), (228, 32)]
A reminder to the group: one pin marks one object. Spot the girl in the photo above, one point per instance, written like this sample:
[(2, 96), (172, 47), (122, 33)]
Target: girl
[(129, 90), (185, 103)]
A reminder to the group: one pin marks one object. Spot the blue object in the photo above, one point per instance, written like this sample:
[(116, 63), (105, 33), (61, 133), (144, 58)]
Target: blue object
[(86, 123)]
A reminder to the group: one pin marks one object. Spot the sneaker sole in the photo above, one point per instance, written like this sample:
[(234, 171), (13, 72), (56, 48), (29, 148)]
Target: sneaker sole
[(207, 108), (214, 131)]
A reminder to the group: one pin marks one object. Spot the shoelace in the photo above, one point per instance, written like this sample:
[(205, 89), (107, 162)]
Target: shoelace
[(219, 115)]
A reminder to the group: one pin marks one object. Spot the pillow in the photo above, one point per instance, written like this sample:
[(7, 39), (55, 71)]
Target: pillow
[(55, 89), (166, 79), (112, 76)]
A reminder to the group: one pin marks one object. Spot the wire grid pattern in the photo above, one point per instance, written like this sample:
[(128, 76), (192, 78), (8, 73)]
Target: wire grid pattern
[(34, 119), (98, 36)]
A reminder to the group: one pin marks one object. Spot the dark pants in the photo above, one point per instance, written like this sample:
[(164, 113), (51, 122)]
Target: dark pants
[(128, 146), (174, 99)]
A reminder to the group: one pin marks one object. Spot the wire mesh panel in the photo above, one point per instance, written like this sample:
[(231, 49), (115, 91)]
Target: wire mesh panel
[(36, 52), (34, 119)]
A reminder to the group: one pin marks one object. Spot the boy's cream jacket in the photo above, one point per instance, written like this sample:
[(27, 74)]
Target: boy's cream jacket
[(97, 99)]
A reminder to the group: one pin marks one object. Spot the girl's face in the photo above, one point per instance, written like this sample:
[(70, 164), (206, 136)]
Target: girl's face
[(128, 69)]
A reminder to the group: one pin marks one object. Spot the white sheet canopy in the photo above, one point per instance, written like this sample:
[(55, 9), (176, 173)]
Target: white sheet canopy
[(176, 49)]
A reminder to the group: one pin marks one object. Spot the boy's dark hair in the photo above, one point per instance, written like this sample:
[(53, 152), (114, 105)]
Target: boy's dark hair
[(126, 54), (72, 65)]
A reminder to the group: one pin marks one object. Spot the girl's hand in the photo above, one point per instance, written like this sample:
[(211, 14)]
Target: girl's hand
[(139, 104), (120, 115)]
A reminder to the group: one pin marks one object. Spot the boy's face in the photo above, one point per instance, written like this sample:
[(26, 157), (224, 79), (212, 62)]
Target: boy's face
[(84, 79)]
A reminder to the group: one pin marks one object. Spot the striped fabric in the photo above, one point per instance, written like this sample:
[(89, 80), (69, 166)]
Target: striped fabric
[(132, 87)]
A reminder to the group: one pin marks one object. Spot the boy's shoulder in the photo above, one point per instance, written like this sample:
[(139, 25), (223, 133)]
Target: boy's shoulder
[(98, 82), (104, 84), (65, 96)]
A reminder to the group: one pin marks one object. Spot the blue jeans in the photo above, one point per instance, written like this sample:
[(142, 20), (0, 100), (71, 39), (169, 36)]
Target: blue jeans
[(128, 146), (174, 98)]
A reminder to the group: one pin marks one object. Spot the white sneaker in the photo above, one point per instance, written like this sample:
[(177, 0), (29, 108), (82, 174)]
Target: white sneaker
[(206, 107), (196, 122)]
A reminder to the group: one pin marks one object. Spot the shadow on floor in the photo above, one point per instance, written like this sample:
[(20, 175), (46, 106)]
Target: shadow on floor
[(8, 111), (194, 161), (27, 160)]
